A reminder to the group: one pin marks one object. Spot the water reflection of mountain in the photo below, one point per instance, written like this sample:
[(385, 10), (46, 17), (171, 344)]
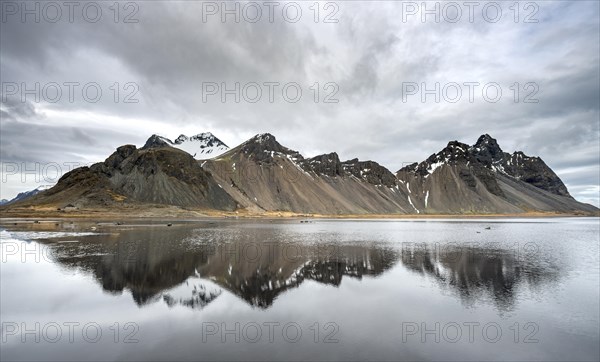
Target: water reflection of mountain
[(475, 272), (259, 281), (147, 262), (160, 263), (190, 266)]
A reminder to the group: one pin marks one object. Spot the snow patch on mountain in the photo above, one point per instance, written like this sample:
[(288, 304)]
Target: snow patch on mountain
[(27, 194), (201, 146), (434, 166), (413, 205)]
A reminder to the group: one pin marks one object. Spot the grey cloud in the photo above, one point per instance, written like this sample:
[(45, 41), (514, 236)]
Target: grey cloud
[(369, 53), (14, 108)]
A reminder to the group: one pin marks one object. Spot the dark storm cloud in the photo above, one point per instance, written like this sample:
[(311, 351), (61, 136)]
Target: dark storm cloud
[(369, 53), (47, 143)]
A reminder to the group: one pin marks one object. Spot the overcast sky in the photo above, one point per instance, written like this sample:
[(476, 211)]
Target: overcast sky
[(373, 58)]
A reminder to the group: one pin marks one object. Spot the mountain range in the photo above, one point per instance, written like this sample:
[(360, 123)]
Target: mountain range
[(26, 194), (262, 176)]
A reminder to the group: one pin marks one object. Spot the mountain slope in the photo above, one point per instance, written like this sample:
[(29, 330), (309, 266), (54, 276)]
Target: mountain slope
[(484, 179), (162, 175), (262, 175)]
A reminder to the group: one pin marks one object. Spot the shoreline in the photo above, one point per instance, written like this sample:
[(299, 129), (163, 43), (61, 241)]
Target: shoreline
[(175, 213)]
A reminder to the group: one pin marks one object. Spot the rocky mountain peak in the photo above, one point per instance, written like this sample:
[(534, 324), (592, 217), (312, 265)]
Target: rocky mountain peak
[(326, 164), (487, 150), (203, 136), (484, 160), (264, 139), (486, 140), (126, 150), (519, 158), (156, 141), (263, 147), (333, 157), (182, 138), (453, 152), (369, 171)]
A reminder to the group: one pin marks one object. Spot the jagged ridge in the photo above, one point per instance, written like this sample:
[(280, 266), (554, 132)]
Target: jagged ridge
[(263, 175), (484, 179)]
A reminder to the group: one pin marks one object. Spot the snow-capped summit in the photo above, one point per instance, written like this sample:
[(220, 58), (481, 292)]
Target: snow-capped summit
[(201, 146)]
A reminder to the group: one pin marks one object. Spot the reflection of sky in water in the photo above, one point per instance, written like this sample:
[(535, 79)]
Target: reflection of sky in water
[(368, 277), (36, 235)]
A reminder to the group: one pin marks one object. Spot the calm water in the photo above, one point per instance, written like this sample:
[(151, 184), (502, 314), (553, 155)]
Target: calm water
[(285, 290)]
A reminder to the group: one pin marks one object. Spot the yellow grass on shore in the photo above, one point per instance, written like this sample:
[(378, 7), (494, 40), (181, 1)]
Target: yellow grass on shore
[(173, 212)]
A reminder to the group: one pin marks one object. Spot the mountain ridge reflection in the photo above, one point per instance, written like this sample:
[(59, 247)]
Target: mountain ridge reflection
[(190, 266), (476, 270), (152, 265)]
